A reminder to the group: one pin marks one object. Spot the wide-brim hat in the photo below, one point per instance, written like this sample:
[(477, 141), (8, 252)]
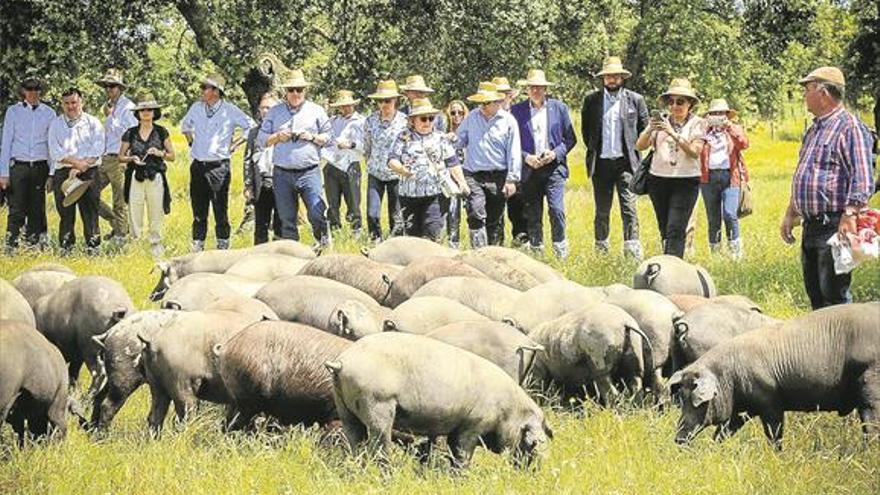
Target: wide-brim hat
[(681, 86), (501, 84), (832, 75), (535, 77), (613, 66), (416, 83), (32, 81), (73, 189), (216, 81), (487, 92), (111, 78), (294, 79), (385, 90), (422, 106), (146, 101), (720, 105), (343, 98)]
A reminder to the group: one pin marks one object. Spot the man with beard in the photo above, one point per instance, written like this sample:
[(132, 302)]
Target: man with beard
[(611, 120)]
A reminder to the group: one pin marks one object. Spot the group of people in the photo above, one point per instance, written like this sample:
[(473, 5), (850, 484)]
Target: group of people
[(428, 164)]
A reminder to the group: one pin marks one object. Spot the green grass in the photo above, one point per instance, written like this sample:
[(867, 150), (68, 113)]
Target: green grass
[(603, 451)]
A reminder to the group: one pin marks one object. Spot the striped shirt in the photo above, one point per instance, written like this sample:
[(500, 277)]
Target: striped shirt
[(834, 165)]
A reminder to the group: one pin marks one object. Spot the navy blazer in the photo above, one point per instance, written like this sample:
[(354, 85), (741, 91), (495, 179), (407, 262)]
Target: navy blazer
[(634, 120), (560, 134)]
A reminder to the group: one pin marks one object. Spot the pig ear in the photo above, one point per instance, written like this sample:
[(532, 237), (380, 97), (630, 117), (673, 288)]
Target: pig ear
[(343, 322), (681, 330), (705, 389), (675, 379)]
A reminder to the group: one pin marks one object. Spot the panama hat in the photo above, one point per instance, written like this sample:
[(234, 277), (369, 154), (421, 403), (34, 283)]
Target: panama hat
[(681, 86), (416, 83), (111, 78), (832, 75), (344, 97), (145, 101), (535, 77), (385, 90), (294, 79), (720, 105), (73, 188), (487, 92), (612, 66), (216, 81), (422, 106), (501, 84)]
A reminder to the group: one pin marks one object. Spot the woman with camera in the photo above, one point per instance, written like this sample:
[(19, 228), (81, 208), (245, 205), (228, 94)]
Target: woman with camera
[(145, 149), (674, 176)]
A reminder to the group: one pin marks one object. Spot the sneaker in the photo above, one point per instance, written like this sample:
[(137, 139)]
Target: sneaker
[(602, 247), (478, 238), (735, 247), (560, 249), (222, 244), (633, 249), (198, 246)]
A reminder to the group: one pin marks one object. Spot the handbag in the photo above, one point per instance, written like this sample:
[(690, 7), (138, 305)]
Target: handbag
[(639, 182), (746, 206)]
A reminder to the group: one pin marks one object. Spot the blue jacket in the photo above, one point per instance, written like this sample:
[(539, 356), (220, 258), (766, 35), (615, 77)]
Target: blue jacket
[(561, 136)]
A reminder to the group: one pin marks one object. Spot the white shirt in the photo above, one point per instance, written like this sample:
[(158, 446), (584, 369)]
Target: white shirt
[(350, 129), (212, 135), (82, 138), (25, 135), (538, 125), (120, 120), (264, 163), (612, 136), (719, 155)]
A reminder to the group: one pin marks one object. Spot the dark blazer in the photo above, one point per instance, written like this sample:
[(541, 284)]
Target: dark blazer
[(560, 135), (633, 112), (252, 178)]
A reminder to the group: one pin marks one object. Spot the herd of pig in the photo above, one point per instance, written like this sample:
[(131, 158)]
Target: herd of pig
[(415, 339)]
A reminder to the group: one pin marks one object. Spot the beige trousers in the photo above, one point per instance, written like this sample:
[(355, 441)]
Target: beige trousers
[(148, 193), (113, 173)]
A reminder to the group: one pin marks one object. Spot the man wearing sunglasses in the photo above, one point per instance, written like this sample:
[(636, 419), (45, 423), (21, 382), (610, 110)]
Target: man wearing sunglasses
[(298, 129), (342, 172), (209, 126), (493, 161), (24, 165), (417, 89), (516, 206)]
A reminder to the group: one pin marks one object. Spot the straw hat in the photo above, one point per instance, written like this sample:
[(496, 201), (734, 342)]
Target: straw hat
[(681, 86), (216, 81), (501, 84), (294, 79), (720, 105), (386, 89), (112, 78), (487, 92), (416, 83), (344, 97), (535, 77), (825, 74), (422, 106), (73, 188), (145, 101), (613, 66)]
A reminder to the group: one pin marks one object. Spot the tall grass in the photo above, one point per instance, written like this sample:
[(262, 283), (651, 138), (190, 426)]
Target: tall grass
[(603, 451)]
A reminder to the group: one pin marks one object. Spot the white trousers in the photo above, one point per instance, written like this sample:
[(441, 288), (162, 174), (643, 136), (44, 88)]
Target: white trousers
[(148, 193)]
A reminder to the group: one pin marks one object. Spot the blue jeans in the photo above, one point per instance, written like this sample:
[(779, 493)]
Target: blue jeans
[(375, 190), (288, 186), (722, 202)]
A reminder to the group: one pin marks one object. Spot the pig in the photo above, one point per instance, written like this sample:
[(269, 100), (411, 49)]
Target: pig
[(34, 284), (500, 343), (403, 250), (671, 275), (266, 267), (13, 305), (594, 350), (615, 288), (33, 382), (425, 314), (78, 310), (198, 290), (48, 266), (277, 368), (487, 297), (686, 302), (356, 271), (548, 301), (422, 271), (509, 266), (707, 325), (827, 360), (413, 383), (253, 308), (353, 320)]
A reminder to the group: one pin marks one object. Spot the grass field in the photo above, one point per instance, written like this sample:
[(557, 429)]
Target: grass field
[(627, 450)]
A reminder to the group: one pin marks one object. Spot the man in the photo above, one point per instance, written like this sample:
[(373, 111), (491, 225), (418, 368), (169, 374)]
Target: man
[(516, 211), (416, 89), (547, 135), (297, 128), (342, 173), (24, 166), (209, 126), (510, 93), (120, 118), (831, 184), (76, 144), (611, 120), (258, 191), (493, 160)]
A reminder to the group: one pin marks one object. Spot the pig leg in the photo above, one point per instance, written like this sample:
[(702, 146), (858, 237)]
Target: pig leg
[(57, 417), (38, 424), (869, 410), (73, 371), (379, 423), (725, 431), (16, 419), (773, 422), (239, 419), (158, 409), (352, 427), (607, 390), (462, 445)]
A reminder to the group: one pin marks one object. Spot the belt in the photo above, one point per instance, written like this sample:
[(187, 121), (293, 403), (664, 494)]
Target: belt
[(111, 154), (484, 172), (295, 170), (215, 163), (31, 164), (822, 219)]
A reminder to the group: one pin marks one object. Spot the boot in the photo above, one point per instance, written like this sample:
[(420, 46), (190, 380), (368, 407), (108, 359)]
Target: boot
[(560, 249), (222, 243), (633, 249), (602, 247), (735, 247), (198, 246), (478, 238)]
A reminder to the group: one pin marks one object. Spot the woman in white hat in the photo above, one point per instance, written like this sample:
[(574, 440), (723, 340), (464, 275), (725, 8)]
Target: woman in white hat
[(674, 176), (722, 173), (145, 148), (430, 172)]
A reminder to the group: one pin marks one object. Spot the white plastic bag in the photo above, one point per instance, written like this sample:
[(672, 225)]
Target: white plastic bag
[(852, 252)]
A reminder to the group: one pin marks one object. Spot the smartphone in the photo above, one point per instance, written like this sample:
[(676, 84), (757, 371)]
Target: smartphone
[(657, 115)]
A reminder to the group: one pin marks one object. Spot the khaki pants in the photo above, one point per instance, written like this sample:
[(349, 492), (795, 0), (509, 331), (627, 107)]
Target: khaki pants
[(148, 193), (113, 173)]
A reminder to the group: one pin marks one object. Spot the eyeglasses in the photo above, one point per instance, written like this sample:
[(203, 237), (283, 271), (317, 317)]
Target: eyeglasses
[(296, 90), (677, 101), (205, 86), (426, 118)]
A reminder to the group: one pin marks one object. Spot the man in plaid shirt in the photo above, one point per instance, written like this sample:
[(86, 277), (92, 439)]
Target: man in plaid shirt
[(831, 183)]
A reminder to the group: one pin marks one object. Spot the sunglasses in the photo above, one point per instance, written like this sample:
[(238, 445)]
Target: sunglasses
[(205, 86), (456, 112), (426, 118), (296, 90), (677, 101)]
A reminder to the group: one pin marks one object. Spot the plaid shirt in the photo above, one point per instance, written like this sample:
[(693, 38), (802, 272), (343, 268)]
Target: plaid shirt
[(834, 165)]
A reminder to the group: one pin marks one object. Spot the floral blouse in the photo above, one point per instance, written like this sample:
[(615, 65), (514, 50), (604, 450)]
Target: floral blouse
[(379, 138), (428, 157)]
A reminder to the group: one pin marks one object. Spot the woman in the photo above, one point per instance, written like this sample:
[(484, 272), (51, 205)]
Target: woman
[(430, 172), (380, 131), (145, 149), (674, 176), (456, 111), (722, 171), (258, 192)]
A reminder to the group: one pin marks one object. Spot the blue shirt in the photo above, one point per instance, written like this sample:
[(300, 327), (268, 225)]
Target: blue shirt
[(379, 138), (491, 145), (350, 129), (295, 154), (25, 135), (212, 128), (612, 129)]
